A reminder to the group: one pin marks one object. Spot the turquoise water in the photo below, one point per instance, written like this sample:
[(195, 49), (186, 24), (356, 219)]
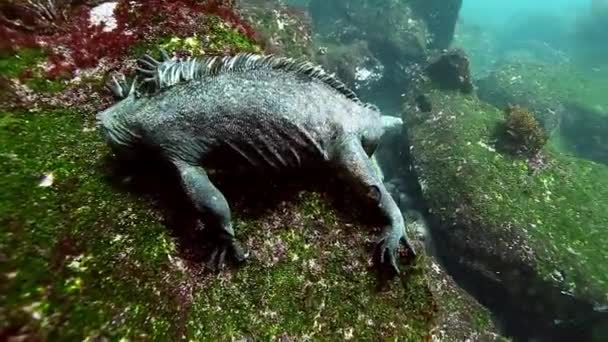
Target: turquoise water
[(497, 13), (560, 33)]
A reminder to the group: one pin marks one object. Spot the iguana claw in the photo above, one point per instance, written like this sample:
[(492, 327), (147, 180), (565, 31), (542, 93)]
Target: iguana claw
[(410, 249), (387, 248), (217, 258)]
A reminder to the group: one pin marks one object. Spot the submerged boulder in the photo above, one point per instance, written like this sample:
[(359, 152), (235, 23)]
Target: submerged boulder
[(451, 70), (283, 29), (530, 85), (584, 132), (399, 35), (526, 239), (408, 27), (391, 29), (441, 17), (570, 104)]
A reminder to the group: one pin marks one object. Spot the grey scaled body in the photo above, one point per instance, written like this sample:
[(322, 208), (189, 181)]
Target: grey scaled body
[(252, 112)]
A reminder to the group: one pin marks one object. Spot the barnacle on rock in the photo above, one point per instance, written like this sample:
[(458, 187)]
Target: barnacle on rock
[(521, 134)]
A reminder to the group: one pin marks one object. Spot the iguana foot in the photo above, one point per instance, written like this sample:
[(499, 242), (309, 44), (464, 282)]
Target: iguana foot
[(388, 245), (223, 248)]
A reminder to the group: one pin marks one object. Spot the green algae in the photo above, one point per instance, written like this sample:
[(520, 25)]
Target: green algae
[(214, 37), (222, 36), (26, 63), (12, 65), (83, 259), (79, 258), (558, 211), (548, 83), (281, 29), (320, 289)]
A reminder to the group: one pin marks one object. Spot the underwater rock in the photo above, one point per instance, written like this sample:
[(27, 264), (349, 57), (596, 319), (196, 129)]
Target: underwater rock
[(530, 85), (528, 245), (354, 63), (570, 105), (282, 29), (399, 26), (451, 70), (392, 30), (584, 131), (441, 17), (397, 35)]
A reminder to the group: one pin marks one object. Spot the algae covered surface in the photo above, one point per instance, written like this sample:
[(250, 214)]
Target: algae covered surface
[(84, 259), (88, 251), (552, 218), (92, 249), (570, 103)]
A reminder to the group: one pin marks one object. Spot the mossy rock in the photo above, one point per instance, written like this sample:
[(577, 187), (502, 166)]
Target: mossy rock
[(93, 250), (283, 29), (582, 132), (459, 316), (392, 29), (27, 64), (519, 235), (441, 17), (215, 37), (570, 103), (89, 251)]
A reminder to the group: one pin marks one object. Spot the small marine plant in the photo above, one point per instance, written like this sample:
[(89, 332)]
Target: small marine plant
[(521, 134)]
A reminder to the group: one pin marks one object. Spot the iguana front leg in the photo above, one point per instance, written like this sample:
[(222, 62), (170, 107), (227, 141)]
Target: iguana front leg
[(214, 209), (359, 171)]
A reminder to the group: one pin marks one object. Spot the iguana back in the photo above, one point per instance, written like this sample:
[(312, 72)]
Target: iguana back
[(262, 118), (249, 110)]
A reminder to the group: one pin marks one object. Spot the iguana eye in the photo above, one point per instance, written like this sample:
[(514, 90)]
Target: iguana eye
[(374, 193), (369, 145)]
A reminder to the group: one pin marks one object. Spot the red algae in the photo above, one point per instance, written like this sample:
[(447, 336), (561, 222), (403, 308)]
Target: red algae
[(74, 42)]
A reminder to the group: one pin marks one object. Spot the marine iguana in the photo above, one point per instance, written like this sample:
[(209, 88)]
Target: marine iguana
[(254, 111)]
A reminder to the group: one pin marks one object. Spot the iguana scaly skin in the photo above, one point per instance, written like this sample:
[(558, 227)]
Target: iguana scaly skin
[(250, 111)]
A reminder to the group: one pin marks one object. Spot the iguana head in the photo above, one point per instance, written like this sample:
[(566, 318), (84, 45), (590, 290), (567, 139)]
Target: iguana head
[(374, 128), (113, 122)]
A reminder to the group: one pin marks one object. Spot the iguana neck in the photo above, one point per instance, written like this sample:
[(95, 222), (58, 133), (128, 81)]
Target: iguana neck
[(117, 127)]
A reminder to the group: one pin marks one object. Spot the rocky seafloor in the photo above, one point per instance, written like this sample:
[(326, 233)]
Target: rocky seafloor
[(95, 250), (98, 251)]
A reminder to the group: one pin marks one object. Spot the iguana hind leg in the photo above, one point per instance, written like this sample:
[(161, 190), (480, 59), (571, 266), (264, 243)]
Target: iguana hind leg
[(359, 170), (212, 205)]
